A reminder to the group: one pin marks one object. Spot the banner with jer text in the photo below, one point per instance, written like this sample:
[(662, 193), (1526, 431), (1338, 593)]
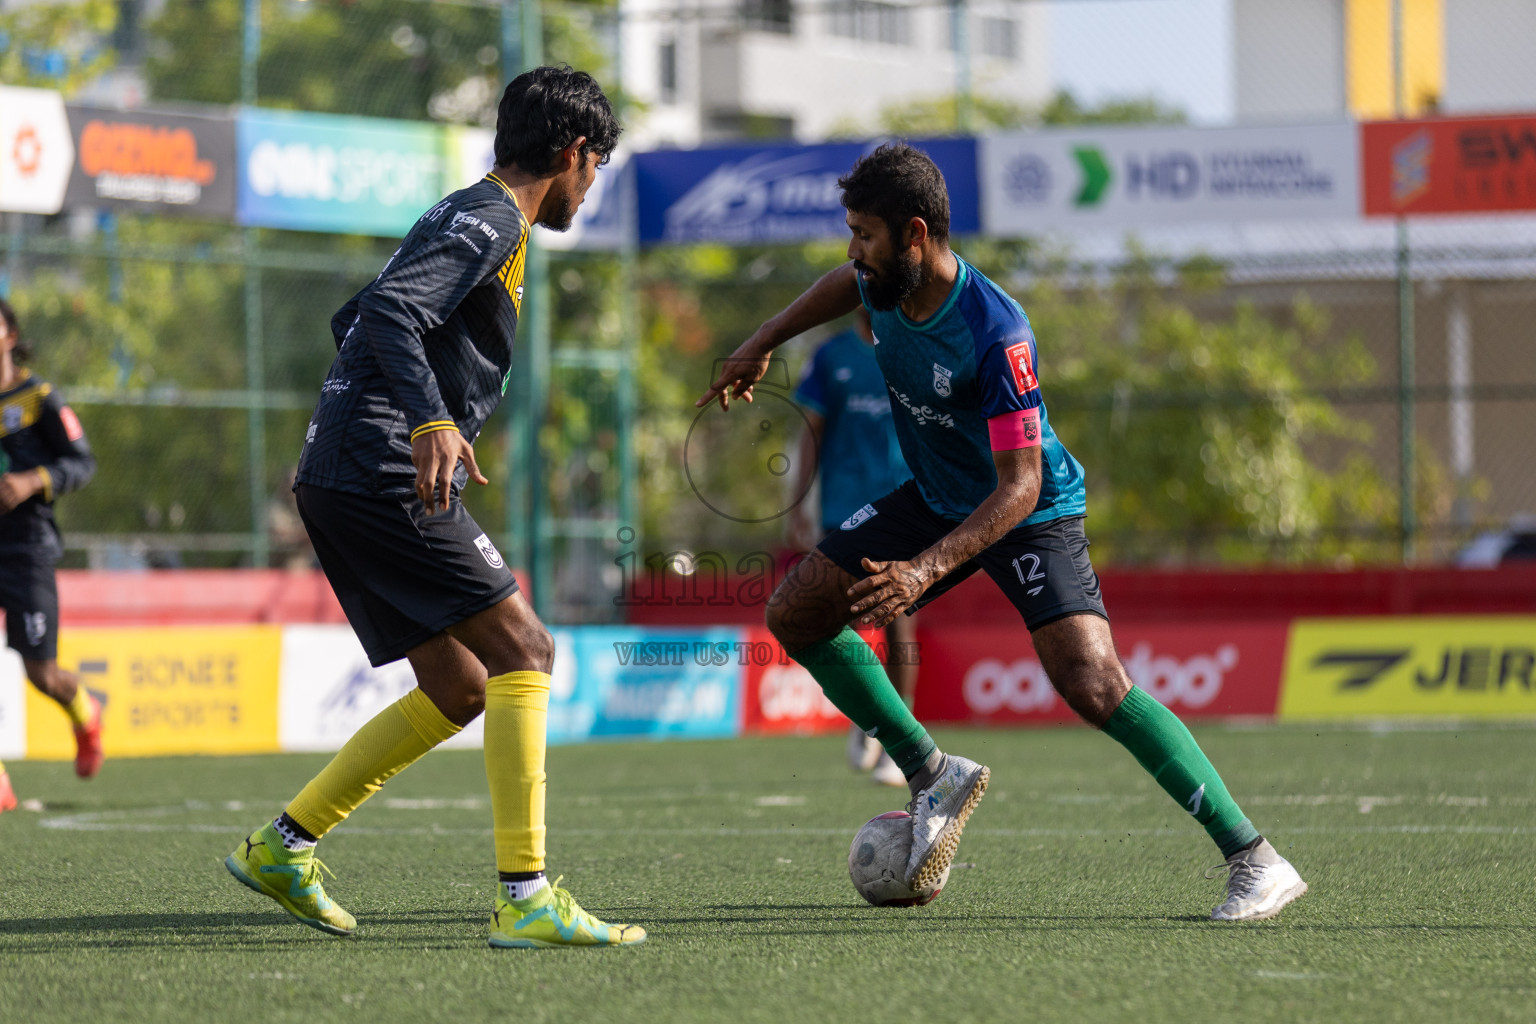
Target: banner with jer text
[(1431, 665)]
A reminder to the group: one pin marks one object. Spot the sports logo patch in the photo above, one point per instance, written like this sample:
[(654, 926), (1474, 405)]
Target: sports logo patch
[(11, 418), (1032, 430), (941, 378), (492, 556), (72, 428), (860, 517), (1023, 367), (36, 624)]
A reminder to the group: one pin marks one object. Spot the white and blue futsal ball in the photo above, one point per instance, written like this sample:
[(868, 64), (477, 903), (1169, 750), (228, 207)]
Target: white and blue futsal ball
[(877, 863)]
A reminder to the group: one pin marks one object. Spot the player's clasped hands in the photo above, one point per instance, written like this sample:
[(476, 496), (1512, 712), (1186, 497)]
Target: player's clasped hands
[(436, 455), (890, 589)]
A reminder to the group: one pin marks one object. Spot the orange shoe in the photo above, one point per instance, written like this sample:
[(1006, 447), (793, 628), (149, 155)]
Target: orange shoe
[(88, 755), (7, 794)]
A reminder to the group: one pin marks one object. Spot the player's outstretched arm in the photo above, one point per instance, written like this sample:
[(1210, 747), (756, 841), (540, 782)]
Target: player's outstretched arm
[(835, 295), (893, 587)]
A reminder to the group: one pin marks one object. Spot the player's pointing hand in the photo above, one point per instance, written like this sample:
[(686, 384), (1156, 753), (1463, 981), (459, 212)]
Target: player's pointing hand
[(739, 372)]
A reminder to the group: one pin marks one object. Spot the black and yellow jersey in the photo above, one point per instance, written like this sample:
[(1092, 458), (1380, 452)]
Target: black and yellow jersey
[(426, 346), (38, 431)]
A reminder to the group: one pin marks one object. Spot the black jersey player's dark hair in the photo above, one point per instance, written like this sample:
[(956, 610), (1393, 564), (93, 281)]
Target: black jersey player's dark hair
[(897, 182), (20, 350), (545, 110)]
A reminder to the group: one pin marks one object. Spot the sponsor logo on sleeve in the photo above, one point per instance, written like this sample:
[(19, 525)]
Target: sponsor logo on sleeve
[(1023, 367), (72, 428)]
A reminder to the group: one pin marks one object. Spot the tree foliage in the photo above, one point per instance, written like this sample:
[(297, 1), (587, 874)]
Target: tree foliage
[(385, 58), (56, 46), (940, 115)]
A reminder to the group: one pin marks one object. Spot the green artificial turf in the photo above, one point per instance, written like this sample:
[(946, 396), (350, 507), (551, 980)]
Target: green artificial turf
[(1078, 894)]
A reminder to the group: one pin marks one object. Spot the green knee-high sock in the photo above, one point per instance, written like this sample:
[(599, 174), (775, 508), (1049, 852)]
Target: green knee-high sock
[(852, 677), (1156, 738)]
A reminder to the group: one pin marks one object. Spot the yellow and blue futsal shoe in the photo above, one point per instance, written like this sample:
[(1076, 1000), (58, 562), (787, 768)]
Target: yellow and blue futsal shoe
[(291, 877), (551, 919)]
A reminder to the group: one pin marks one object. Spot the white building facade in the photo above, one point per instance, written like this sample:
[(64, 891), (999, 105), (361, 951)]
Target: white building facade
[(709, 72)]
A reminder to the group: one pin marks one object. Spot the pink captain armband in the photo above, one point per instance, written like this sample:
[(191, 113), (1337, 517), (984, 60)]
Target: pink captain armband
[(1014, 430)]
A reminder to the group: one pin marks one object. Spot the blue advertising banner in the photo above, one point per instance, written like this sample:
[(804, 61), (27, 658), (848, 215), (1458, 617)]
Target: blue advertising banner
[(765, 194), (633, 682), (323, 172)]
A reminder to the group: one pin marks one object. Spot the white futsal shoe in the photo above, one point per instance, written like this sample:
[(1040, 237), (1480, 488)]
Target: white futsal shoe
[(939, 814), (888, 772), (863, 751), (1260, 883)]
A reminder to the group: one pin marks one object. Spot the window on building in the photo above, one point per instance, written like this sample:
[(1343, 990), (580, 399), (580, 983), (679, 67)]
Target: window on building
[(873, 22), (667, 71), (768, 15), (998, 37)]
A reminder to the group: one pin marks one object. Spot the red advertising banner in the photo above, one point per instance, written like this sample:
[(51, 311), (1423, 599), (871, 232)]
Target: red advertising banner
[(1454, 165), (780, 696), (990, 675)]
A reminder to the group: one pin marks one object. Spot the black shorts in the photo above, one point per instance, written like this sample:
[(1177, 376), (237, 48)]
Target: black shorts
[(1043, 569), (402, 576), (30, 596)]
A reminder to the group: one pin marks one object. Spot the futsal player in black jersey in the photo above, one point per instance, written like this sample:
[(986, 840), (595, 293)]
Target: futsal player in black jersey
[(43, 454), (424, 356)]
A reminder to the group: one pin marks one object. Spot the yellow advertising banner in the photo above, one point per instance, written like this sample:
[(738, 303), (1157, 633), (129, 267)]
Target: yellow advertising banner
[(174, 690), (1439, 666)]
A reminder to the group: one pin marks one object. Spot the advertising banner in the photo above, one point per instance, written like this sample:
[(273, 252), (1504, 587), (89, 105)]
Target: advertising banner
[(36, 151), (181, 690), (779, 696), (328, 690), (13, 706), (1119, 178), (1460, 165), (762, 194), (636, 683), (1452, 666), (991, 675), (163, 163), (324, 172)]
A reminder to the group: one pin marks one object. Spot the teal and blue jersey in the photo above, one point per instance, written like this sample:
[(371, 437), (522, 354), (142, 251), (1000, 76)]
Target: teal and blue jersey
[(973, 361), (860, 456)]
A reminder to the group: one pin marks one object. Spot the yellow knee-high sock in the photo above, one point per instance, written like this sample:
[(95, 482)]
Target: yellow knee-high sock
[(516, 710), (390, 742), (79, 709)]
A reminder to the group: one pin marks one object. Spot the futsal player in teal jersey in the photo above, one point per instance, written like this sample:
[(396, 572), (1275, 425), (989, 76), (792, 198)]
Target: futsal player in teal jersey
[(993, 490)]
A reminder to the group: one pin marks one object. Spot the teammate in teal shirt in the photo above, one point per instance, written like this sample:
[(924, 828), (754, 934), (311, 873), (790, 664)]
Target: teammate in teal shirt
[(993, 491), (850, 446)]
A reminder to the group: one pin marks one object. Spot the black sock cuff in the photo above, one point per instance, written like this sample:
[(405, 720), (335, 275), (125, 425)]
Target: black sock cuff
[(519, 876), (285, 823)]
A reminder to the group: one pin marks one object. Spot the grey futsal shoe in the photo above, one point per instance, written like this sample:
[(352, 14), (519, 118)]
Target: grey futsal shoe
[(938, 817), (1259, 883)]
